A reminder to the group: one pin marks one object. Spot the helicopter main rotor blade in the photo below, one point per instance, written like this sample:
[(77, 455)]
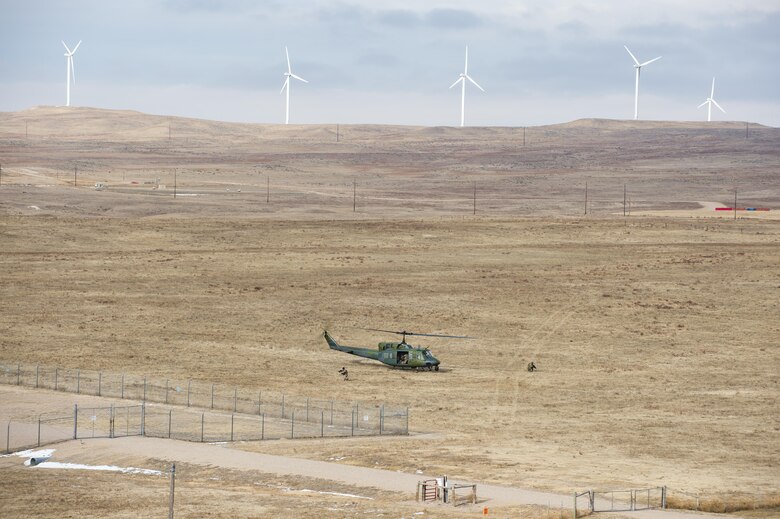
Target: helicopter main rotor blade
[(413, 334)]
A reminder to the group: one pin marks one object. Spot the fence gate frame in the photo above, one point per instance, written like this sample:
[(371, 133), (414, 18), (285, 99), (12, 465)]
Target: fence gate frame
[(634, 502)]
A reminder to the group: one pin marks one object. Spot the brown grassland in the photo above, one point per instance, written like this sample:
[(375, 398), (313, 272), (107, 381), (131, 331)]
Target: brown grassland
[(656, 334)]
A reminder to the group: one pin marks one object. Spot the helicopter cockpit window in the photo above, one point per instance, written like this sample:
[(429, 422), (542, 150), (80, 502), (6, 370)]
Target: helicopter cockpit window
[(427, 354)]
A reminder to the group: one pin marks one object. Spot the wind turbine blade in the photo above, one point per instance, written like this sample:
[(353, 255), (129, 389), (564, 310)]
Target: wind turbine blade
[(456, 82), (632, 56), (66, 47), (719, 107), (466, 66), (712, 92), (76, 47), (287, 80), (704, 103), (299, 78), (475, 83), (648, 62), (289, 69)]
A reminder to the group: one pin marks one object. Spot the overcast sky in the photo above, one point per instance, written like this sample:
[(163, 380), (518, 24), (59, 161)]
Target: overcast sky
[(392, 62)]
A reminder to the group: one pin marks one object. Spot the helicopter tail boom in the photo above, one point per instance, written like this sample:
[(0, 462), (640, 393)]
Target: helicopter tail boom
[(360, 352)]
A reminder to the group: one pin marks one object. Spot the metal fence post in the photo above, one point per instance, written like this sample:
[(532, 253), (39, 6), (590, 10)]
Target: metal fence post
[(18, 374), (663, 497), (212, 396), (189, 383), (322, 424), (202, 421), (78, 381), (39, 430), (235, 399), (232, 417), (282, 405), (307, 408), (8, 439), (111, 421), (166, 390), (56, 378), (100, 382), (36, 377), (352, 421), (144, 399), (170, 417), (75, 421), (143, 416), (292, 426), (262, 426), (173, 484)]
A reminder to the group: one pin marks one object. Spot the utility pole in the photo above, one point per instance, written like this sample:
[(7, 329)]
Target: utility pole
[(523, 136), (337, 133), (475, 198), (173, 485), (586, 197), (624, 200), (747, 129), (735, 203)]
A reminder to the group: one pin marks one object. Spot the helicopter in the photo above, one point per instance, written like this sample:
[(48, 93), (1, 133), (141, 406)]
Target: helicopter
[(396, 354)]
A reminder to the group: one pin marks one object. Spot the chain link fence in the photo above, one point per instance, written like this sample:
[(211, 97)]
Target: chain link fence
[(189, 410)]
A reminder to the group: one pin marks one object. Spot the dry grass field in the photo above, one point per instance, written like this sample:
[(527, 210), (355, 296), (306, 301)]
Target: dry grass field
[(656, 335)]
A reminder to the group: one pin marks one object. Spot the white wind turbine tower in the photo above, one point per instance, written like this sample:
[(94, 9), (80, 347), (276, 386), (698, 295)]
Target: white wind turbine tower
[(462, 80), (638, 67), (710, 101), (287, 76), (70, 68)]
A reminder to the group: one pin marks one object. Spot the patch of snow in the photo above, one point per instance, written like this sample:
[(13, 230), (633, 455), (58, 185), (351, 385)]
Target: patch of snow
[(34, 207), (30, 453), (107, 468)]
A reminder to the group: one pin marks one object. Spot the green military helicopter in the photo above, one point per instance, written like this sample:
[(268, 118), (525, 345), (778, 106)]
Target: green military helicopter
[(396, 354)]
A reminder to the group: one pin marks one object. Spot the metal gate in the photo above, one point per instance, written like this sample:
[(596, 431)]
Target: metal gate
[(628, 500), (108, 422)]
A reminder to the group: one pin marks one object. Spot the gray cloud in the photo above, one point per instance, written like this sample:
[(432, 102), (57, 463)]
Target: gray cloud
[(452, 19)]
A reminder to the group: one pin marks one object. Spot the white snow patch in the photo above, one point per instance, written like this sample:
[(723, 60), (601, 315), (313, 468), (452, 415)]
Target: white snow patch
[(40, 453), (107, 468), (336, 494), (46, 453), (34, 207)]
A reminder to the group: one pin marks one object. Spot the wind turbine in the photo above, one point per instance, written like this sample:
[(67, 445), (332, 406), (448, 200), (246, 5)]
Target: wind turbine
[(70, 69), (638, 66), (287, 76), (710, 101), (462, 80)]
